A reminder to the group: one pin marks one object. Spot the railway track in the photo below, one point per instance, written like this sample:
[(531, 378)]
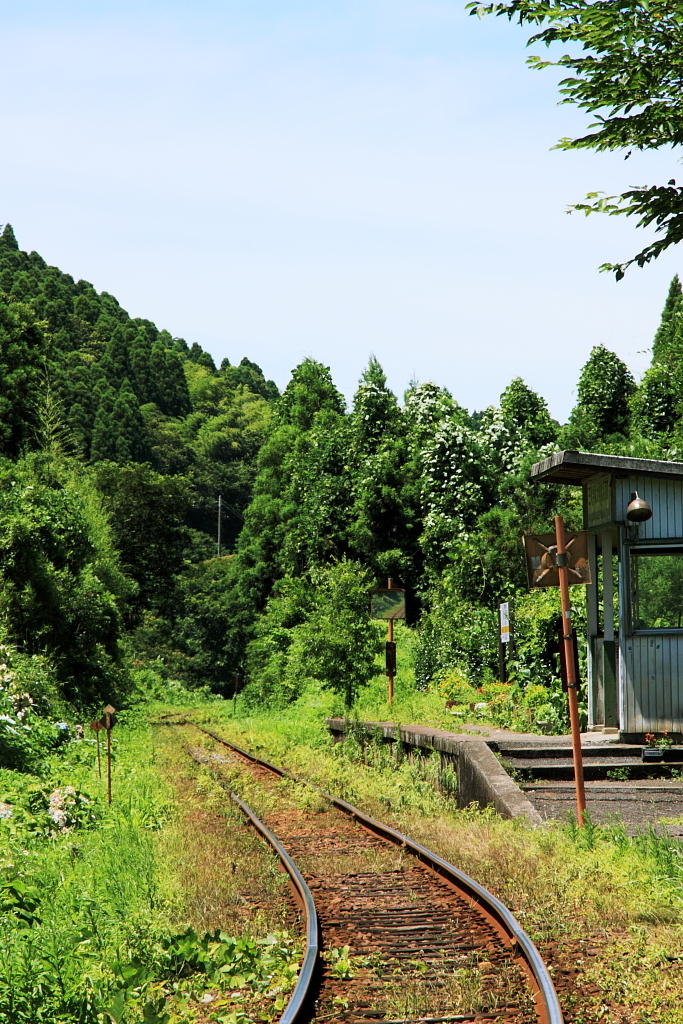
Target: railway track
[(394, 933)]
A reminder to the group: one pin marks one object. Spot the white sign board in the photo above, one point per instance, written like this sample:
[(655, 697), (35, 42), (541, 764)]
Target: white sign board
[(504, 612)]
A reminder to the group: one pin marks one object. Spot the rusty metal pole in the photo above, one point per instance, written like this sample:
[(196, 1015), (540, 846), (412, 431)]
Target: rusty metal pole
[(390, 638), (99, 763), (572, 681), (108, 728)]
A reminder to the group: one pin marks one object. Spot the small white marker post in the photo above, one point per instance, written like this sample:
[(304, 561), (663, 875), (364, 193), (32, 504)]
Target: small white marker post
[(96, 726)]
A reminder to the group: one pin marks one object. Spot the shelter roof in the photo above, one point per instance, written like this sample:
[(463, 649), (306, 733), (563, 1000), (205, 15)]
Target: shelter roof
[(571, 467)]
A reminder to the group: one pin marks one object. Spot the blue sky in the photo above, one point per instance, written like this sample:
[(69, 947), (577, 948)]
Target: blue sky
[(333, 179)]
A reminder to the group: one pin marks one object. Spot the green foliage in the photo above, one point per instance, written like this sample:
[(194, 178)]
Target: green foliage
[(146, 512), (602, 411), (655, 404), (207, 621), (318, 505), (309, 392), (335, 644), (623, 67), (22, 351), (526, 416), (664, 341), (61, 588), (375, 409), (87, 928)]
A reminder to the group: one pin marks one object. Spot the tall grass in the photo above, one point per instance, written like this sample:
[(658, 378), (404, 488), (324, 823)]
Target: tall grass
[(620, 894), (89, 927)]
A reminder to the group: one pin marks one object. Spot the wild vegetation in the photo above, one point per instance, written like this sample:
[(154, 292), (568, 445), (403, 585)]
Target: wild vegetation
[(116, 440), (603, 906), (97, 920)]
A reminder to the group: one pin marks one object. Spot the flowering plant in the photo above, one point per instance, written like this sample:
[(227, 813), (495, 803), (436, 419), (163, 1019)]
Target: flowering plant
[(662, 742)]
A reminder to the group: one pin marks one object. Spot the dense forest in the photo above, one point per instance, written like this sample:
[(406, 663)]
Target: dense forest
[(117, 439)]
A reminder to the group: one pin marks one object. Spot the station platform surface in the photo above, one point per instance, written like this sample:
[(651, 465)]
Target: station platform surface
[(542, 766)]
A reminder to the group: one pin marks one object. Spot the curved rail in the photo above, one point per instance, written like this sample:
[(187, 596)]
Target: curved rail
[(507, 925), (302, 989)]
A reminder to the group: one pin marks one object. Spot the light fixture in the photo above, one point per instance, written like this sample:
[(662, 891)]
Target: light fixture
[(638, 510)]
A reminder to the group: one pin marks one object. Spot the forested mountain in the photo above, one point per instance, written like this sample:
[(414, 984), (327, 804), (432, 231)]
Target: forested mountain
[(116, 440), (137, 431), (435, 498)]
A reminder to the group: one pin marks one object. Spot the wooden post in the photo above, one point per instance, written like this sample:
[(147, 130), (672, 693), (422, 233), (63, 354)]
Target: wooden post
[(109, 724), (390, 638), (572, 681), (108, 727)]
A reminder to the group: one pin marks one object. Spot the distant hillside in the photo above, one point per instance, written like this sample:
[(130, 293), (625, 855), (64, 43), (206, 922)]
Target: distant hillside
[(129, 392)]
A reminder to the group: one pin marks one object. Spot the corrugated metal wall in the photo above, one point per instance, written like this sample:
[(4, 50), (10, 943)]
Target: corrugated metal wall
[(666, 500), (651, 666), (653, 683)]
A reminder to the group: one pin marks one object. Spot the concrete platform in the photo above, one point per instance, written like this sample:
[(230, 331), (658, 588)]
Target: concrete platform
[(636, 804), (524, 775)]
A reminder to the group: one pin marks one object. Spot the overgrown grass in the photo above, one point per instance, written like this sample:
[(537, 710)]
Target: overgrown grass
[(93, 922), (598, 901), (223, 874), (520, 706)]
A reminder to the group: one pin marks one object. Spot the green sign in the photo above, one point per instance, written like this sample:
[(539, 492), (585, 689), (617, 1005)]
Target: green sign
[(388, 604)]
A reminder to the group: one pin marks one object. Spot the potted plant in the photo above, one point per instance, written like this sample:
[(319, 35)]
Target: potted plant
[(654, 751), (672, 751)]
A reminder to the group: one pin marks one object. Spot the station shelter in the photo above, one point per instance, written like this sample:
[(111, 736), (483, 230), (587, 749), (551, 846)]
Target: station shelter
[(635, 602)]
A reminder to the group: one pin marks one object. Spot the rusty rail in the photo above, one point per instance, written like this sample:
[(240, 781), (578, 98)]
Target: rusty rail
[(302, 990), (547, 1003)]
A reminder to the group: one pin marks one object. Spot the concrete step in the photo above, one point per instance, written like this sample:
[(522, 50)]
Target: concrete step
[(611, 750), (533, 771)]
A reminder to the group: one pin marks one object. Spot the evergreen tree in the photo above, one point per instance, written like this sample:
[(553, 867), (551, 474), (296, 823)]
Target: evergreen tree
[(139, 359), (656, 402), (22, 352), (104, 435), (384, 523), (603, 407), (129, 429), (309, 392), (318, 495), (663, 344), (80, 425), (7, 238), (197, 355), (168, 384), (178, 395), (114, 363), (375, 409), (526, 415), (249, 375)]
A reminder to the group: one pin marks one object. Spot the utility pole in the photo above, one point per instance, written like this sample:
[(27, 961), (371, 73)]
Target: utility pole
[(572, 681), (220, 505), (391, 652)]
